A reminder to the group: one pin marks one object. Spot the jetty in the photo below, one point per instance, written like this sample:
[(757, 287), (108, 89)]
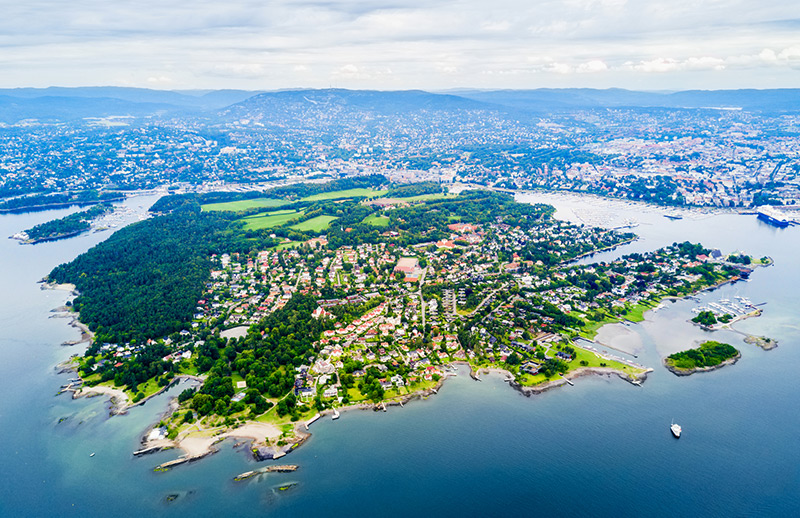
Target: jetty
[(286, 468), (166, 466), (145, 451), (316, 416)]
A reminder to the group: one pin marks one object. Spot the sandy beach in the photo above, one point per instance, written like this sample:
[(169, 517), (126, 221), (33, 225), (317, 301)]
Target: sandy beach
[(119, 400), (256, 431), (196, 446)]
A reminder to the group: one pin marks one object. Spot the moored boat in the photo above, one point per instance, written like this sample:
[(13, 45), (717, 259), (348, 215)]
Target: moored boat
[(675, 428)]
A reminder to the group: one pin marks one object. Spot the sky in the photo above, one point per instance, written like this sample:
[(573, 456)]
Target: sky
[(401, 44)]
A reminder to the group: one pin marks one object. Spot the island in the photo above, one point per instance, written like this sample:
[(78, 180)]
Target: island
[(284, 305), (62, 228), (709, 356)]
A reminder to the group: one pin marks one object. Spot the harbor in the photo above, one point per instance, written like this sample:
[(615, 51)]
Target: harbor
[(727, 311)]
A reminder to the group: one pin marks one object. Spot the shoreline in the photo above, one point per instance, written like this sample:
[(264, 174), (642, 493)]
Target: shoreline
[(68, 312), (260, 435)]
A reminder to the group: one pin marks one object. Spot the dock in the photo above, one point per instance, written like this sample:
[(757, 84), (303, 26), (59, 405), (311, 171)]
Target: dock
[(145, 451), (568, 381), (316, 416)]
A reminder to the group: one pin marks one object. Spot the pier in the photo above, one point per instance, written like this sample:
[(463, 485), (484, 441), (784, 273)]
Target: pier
[(316, 416)]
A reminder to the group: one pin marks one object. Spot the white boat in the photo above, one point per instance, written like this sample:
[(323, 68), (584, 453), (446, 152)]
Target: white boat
[(675, 428)]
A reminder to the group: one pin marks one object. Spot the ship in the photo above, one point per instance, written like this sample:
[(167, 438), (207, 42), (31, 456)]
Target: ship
[(769, 215), (675, 428), (673, 216)]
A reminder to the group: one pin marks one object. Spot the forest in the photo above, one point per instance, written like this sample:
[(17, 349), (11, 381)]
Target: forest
[(144, 281)]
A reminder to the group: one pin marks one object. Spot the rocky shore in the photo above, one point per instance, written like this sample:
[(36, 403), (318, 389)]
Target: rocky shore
[(579, 373), (761, 341)]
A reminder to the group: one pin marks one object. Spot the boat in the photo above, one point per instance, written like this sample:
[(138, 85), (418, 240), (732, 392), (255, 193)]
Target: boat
[(675, 428), (773, 217), (673, 216), (92, 455)]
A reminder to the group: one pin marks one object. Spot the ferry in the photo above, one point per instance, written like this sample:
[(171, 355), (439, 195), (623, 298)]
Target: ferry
[(675, 428), (773, 217)]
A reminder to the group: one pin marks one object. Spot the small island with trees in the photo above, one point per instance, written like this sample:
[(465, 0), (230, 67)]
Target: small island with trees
[(62, 228), (708, 356)]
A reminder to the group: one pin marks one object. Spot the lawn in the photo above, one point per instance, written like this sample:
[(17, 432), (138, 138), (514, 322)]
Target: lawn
[(315, 224), (377, 220), (287, 244), (271, 219), (348, 193), (240, 205)]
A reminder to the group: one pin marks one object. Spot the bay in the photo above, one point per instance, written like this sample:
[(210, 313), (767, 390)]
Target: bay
[(600, 448)]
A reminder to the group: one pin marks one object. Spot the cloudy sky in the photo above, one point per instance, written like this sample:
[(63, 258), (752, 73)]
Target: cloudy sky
[(396, 44)]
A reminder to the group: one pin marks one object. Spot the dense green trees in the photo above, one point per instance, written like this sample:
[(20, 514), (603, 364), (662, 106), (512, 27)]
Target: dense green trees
[(68, 225), (705, 318), (708, 354), (145, 280)]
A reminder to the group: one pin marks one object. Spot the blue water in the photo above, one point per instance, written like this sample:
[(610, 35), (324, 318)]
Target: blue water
[(600, 448)]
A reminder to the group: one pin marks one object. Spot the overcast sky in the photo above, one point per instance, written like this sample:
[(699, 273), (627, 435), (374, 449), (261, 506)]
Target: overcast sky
[(428, 44)]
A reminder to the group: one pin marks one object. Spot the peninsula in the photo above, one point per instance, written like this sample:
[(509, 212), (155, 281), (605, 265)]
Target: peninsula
[(305, 299), (62, 228)]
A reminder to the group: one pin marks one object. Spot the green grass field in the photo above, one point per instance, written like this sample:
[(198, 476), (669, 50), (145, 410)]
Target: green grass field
[(270, 219), (377, 220), (315, 224), (348, 193), (238, 206), (287, 244)]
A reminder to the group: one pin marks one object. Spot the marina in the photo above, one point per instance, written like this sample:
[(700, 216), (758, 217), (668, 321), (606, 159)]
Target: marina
[(727, 311)]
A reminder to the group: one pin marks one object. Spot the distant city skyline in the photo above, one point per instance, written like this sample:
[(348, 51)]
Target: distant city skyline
[(431, 45)]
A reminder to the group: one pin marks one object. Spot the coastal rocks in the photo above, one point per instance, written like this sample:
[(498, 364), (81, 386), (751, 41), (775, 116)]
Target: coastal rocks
[(171, 497), (761, 341), (262, 453), (688, 372), (166, 466)]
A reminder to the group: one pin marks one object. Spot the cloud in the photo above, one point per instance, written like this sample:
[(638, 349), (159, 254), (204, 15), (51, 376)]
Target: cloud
[(594, 65), (400, 43)]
